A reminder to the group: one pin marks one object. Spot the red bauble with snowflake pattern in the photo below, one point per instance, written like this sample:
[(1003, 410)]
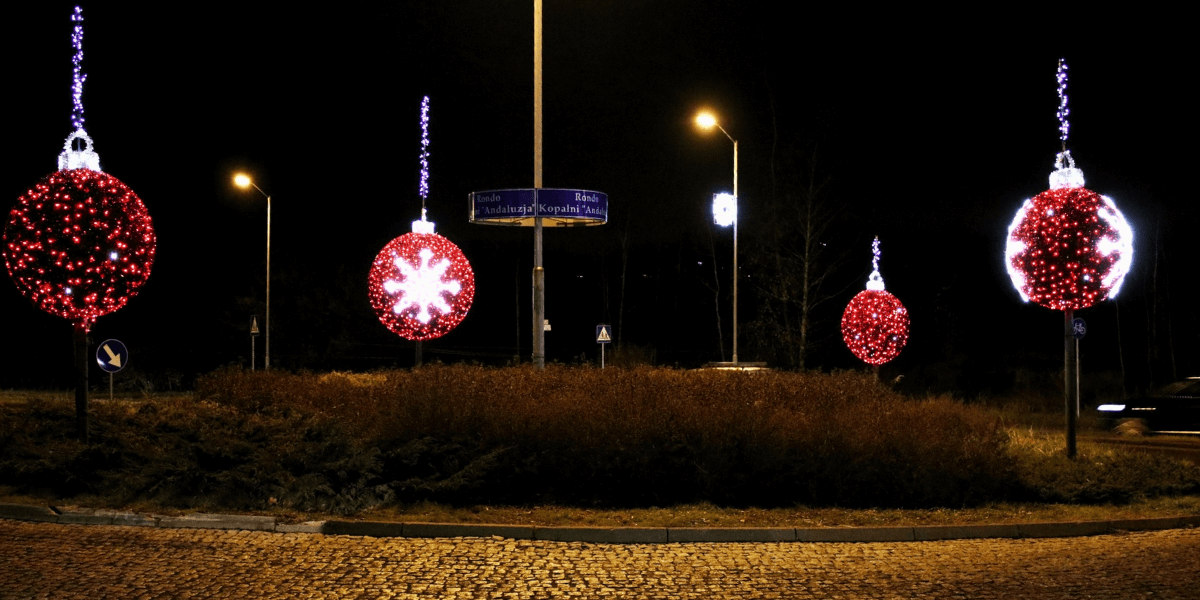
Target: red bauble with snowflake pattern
[(79, 244), (421, 285)]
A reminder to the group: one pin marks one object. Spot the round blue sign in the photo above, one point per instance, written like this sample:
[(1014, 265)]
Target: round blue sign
[(112, 356)]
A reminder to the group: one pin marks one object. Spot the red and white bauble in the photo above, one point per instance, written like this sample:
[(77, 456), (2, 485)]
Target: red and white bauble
[(421, 285), (875, 323), (1068, 247), (875, 326), (79, 243)]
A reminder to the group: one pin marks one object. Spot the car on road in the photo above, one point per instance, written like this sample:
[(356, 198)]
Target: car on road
[(1172, 408)]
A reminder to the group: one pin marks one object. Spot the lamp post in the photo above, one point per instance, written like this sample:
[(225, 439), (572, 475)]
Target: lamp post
[(707, 121), (244, 181)]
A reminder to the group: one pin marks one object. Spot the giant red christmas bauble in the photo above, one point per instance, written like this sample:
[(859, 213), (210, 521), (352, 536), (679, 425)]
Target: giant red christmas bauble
[(1068, 248), (875, 326), (79, 244), (421, 286)]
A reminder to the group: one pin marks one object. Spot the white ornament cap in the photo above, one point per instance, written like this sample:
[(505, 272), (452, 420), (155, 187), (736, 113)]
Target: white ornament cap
[(875, 281), (1065, 174), (86, 158), (422, 226)]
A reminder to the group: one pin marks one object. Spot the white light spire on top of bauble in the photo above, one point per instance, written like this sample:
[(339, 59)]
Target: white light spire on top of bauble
[(84, 157), (875, 281), (424, 225)]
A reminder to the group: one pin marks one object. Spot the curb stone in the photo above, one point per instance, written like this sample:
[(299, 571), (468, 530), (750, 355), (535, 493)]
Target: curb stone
[(437, 530), (22, 512), (601, 535), (744, 534), (856, 534), (964, 532), (215, 521), (1075, 529), (85, 516), (365, 528), (305, 527)]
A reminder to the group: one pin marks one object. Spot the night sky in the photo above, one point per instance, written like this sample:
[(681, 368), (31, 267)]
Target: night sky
[(927, 135)]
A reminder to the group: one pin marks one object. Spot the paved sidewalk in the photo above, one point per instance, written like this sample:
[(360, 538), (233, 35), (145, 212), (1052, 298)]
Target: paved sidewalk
[(54, 560)]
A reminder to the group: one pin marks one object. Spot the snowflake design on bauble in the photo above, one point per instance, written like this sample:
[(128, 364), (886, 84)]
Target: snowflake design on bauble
[(422, 287)]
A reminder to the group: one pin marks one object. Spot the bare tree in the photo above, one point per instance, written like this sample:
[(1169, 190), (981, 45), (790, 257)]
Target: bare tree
[(794, 263)]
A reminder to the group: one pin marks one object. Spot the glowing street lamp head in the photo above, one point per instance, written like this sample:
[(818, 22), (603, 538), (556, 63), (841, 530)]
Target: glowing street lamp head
[(706, 121), (241, 180)]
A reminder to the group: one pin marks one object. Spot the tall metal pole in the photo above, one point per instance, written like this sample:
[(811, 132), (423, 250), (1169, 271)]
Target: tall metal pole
[(1070, 378), (735, 252), (539, 274), (267, 357)]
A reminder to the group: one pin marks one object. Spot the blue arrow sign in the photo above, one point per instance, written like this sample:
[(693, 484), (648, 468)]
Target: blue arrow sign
[(112, 356), (602, 335)]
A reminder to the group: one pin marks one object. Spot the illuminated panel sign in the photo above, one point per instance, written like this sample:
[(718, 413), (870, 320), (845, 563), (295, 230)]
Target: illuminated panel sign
[(557, 207)]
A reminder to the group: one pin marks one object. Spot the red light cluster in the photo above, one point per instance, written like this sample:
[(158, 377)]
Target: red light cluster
[(79, 244), (407, 248), (1061, 263), (875, 326)]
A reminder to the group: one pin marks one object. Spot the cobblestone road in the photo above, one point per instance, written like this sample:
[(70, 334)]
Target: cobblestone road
[(41, 560)]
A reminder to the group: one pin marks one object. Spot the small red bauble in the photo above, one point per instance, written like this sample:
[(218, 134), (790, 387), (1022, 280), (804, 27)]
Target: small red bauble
[(421, 286), (79, 244), (875, 326)]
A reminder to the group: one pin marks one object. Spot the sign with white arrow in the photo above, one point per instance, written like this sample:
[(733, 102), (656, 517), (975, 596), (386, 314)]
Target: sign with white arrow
[(112, 356)]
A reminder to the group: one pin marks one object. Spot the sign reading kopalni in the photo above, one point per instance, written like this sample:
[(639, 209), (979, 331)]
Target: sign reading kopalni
[(557, 207)]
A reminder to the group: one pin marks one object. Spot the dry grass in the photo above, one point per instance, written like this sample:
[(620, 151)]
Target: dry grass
[(651, 436), (574, 445)]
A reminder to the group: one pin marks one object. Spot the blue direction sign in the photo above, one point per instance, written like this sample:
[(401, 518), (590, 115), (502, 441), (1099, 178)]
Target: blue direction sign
[(1079, 328), (557, 207), (602, 334), (112, 355)]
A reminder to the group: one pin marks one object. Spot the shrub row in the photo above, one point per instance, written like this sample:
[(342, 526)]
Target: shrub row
[(461, 434), (644, 436)]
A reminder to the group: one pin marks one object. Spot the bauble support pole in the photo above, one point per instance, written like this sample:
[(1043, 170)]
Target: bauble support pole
[(81, 381), (1070, 378)]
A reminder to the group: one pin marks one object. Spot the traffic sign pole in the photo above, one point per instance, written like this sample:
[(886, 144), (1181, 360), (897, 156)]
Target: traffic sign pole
[(112, 356), (602, 338)]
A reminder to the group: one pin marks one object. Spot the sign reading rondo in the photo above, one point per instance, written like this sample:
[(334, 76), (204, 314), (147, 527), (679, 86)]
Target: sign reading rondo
[(556, 207)]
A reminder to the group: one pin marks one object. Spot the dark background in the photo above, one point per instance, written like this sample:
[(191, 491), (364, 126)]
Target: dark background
[(929, 136)]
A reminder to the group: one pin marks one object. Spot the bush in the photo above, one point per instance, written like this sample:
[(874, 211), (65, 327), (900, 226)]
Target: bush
[(649, 436), (464, 435)]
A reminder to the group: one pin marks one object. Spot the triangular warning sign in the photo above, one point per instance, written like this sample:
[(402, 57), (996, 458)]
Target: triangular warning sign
[(604, 335)]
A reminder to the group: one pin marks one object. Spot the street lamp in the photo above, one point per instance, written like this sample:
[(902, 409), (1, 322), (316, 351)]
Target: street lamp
[(725, 212), (243, 181)]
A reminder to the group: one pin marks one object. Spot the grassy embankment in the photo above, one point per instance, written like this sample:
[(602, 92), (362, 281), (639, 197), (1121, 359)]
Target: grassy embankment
[(574, 445)]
